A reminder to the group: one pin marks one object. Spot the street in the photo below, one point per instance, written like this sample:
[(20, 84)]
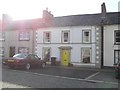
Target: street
[(55, 77)]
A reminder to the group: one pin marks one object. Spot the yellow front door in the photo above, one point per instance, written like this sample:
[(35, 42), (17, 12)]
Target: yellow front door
[(65, 57)]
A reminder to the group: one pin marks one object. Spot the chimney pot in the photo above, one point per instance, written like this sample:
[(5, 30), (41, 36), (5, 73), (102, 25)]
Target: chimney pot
[(103, 8), (47, 9)]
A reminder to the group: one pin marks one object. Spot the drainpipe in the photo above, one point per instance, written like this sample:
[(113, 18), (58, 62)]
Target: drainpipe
[(33, 41), (102, 45), (102, 23)]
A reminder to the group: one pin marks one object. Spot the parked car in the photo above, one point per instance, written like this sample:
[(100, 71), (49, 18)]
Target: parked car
[(117, 70), (26, 61)]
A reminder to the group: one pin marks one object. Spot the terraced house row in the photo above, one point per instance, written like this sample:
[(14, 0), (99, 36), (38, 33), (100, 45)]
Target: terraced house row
[(88, 39)]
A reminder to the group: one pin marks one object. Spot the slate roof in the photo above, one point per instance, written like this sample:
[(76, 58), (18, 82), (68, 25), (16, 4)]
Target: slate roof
[(113, 18), (72, 20), (31, 23), (87, 19), (76, 20), (24, 24)]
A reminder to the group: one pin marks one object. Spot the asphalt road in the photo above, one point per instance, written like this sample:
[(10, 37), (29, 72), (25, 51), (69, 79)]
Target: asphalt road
[(51, 77), (72, 73)]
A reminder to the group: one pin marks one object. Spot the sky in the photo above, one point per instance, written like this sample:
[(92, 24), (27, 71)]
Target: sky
[(29, 9)]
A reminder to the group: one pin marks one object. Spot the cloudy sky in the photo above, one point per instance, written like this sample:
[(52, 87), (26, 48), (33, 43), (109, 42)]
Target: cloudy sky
[(26, 9)]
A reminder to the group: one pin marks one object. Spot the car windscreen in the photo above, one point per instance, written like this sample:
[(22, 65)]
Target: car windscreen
[(20, 56)]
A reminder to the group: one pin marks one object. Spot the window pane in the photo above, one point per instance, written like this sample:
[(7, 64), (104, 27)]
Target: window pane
[(116, 56), (117, 36), (23, 50), (21, 35), (2, 35), (117, 39), (46, 53), (46, 36), (65, 36), (24, 36), (86, 55), (118, 33), (119, 55), (86, 36)]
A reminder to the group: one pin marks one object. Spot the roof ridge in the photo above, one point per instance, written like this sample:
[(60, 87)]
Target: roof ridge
[(85, 14), (78, 15)]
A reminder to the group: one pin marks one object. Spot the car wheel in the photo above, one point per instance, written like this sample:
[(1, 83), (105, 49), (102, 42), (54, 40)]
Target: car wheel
[(27, 66), (43, 65)]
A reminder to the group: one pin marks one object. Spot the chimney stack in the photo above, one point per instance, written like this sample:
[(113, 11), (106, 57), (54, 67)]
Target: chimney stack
[(103, 14), (47, 15), (6, 21), (103, 11), (6, 18)]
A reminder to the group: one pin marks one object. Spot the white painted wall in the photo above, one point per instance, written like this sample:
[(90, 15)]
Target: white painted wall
[(75, 41), (109, 46)]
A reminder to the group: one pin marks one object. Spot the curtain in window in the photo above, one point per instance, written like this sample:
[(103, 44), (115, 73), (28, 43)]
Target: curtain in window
[(86, 55), (23, 50), (46, 53), (24, 36), (117, 56)]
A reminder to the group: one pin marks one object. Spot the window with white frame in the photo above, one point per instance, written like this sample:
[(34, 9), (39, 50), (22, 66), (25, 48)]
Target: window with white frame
[(117, 37), (1, 51), (46, 53), (86, 36), (116, 56), (23, 50), (86, 55), (65, 36), (2, 36), (24, 35), (47, 37)]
